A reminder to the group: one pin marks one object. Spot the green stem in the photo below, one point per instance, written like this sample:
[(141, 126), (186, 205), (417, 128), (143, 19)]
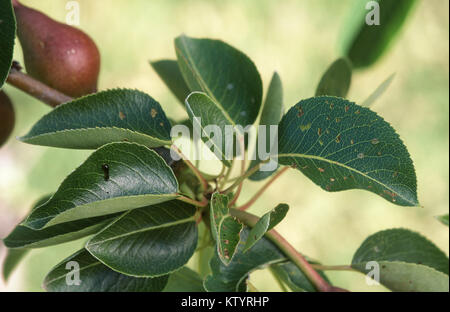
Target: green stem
[(194, 169), (319, 283), (227, 174), (188, 200), (242, 178), (332, 267), (263, 189)]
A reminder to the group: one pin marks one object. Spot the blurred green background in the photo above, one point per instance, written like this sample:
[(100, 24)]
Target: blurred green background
[(299, 39)]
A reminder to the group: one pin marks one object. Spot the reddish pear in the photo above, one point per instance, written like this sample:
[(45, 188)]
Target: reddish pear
[(7, 117), (59, 55)]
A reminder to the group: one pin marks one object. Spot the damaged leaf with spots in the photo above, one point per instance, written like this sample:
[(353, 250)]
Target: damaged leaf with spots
[(104, 117), (233, 277), (340, 146), (225, 228)]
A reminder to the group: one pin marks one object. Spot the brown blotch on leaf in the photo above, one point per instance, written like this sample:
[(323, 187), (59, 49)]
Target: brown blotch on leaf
[(319, 131), (347, 108), (300, 112), (153, 112), (338, 139), (321, 170), (121, 116)]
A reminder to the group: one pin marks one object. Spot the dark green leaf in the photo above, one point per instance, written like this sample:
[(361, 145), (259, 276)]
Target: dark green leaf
[(7, 36), (271, 115), (443, 219), (267, 222), (406, 261), (204, 113), (340, 145), (379, 91), (365, 43), (184, 280), (409, 277), (233, 277), (226, 229), (293, 277), (14, 256), (136, 177), (12, 259), (170, 73), (96, 277), (336, 80), (24, 237), (104, 117), (148, 242), (225, 74), (401, 245)]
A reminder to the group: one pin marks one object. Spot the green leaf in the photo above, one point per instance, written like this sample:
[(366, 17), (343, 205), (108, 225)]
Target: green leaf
[(406, 260), (170, 73), (24, 237), (379, 91), (340, 146), (364, 43), (226, 229), (14, 256), (409, 277), (271, 115), (267, 222), (137, 177), (104, 117), (148, 242), (443, 219), (293, 277), (96, 277), (401, 245), (224, 73), (336, 80), (204, 113), (233, 277), (184, 280), (7, 36), (12, 259)]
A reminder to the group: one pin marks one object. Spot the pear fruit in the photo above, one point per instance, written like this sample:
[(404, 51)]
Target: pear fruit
[(7, 117), (59, 55)]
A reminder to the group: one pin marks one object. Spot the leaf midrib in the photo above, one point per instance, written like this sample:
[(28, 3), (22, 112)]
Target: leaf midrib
[(145, 229), (34, 137), (189, 62), (346, 167)]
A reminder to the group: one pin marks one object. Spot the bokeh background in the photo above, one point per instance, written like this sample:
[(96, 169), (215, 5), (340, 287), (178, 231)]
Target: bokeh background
[(299, 39)]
